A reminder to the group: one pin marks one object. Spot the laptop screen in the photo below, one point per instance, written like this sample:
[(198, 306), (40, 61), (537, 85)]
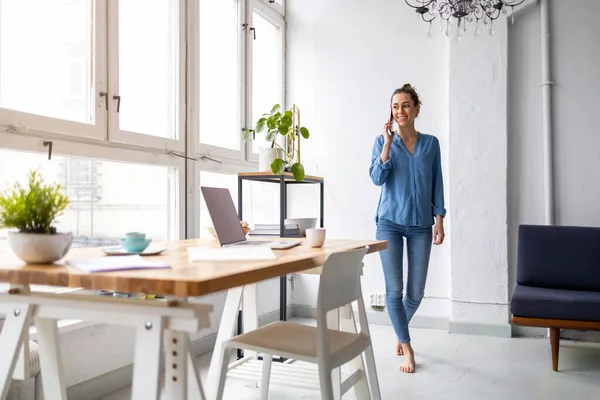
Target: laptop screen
[(224, 217)]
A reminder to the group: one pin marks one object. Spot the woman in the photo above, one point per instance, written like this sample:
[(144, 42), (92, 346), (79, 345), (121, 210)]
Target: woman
[(407, 165)]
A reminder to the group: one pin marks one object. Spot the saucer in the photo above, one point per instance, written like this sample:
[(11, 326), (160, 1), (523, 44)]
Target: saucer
[(119, 251)]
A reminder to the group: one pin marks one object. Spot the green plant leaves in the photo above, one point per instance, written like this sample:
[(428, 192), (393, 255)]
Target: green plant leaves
[(260, 125), (271, 135), (304, 132), (278, 166), (287, 118), (275, 108), (283, 129), (32, 209), (298, 172)]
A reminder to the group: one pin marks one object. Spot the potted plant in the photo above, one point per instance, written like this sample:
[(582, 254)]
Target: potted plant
[(33, 210), (277, 122)]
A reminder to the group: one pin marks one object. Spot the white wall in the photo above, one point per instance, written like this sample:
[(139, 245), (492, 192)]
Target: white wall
[(478, 118), (344, 60)]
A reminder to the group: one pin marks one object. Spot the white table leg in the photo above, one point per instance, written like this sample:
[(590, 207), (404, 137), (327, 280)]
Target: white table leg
[(333, 322), (250, 313), (176, 363), (53, 379), (21, 371), (15, 325), (348, 324), (225, 332), (146, 367), (195, 389)]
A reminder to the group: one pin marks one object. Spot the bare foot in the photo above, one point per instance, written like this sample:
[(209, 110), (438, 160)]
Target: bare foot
[(399, 351), (408, 365)]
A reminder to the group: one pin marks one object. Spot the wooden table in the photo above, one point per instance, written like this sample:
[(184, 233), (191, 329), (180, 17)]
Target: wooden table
[(154, 321)]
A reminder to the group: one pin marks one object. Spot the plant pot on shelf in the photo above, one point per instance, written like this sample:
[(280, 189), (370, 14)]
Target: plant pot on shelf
[(40, 248), (266, 156)]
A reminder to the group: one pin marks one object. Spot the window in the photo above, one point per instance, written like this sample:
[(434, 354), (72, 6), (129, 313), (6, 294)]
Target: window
[(219, 65), (107, 198), (266, 85), (140, 78), (81, 181), (145, 80), (48, 77)]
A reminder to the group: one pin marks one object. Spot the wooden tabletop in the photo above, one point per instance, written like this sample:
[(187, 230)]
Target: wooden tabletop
[(183, 278)]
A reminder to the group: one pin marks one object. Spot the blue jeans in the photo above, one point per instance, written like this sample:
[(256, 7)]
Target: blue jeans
[(418, 241)]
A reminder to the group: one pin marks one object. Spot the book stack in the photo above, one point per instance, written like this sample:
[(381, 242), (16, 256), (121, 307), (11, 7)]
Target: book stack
[(290, 230)]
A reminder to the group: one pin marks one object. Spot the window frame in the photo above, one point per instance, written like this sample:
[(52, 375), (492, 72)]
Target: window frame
[(65, 147), (20, 121), (198, 148), (115, 134), (268, 12), (279, 8)]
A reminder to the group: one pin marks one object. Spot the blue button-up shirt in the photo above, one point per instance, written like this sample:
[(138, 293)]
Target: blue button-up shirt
[(412, 190)]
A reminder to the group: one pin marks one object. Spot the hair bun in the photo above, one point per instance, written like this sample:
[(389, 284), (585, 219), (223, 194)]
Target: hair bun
[(407, 86)]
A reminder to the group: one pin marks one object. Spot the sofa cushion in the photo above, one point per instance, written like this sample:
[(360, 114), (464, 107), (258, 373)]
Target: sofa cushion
[(559, 257), (536, 302)]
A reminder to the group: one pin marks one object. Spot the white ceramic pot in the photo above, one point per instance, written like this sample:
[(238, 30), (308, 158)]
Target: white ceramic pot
[(266, 157), (40, 248)]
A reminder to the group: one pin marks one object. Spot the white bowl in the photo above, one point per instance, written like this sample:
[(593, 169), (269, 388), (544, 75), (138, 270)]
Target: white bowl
[(40, 248), (303, 223)]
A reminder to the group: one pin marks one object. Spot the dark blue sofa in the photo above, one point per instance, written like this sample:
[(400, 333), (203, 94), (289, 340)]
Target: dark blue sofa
[(558, 280)]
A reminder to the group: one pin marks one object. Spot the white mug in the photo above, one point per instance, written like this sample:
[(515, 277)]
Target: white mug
[(315, 237)]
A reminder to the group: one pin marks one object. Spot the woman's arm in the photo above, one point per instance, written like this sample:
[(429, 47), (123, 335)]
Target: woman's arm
[(438, 197), (380, 162), (438, 184)]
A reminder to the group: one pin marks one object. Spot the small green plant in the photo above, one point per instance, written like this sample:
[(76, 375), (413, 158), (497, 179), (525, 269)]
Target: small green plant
[(32, 209), (276, 123)]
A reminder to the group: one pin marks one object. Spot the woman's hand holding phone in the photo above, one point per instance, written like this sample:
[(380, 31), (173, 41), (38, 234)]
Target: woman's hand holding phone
[(387, 133), (388, 136)]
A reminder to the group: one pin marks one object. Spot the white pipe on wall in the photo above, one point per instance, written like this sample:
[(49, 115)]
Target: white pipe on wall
[(547, 113)]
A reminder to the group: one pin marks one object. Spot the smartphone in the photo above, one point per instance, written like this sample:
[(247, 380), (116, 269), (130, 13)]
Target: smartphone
[(390, 132)]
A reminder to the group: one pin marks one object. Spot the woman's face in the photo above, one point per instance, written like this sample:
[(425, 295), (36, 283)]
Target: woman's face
[(404, 110)]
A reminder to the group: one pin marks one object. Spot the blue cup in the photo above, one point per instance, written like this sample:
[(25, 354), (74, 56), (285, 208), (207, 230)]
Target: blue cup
[(135, 242), (135, 236)]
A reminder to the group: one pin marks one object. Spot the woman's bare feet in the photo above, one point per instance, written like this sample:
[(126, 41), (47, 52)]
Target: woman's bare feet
[(399, 351), (408, 365)]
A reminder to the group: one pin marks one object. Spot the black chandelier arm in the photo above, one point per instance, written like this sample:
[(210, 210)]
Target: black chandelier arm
[(513, 3), (445, 11), (420, 4), (427, 20), (493, 15), (478, 13)]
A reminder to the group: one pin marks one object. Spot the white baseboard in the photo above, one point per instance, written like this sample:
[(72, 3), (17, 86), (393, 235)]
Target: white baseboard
[(482, 329)]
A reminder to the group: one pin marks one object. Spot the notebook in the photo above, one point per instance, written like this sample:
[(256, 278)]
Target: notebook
[(101, 264)]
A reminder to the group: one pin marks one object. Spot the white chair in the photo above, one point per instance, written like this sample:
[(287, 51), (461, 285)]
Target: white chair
[(329, 349)]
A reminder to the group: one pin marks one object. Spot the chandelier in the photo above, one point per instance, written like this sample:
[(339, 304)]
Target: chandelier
[(460, 12)]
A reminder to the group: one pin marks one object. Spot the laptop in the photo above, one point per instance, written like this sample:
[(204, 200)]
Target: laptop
[(227, 225)]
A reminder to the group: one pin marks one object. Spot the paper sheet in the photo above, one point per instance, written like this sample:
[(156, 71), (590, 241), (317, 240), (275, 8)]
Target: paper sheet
[(119, 263), (230, 253)]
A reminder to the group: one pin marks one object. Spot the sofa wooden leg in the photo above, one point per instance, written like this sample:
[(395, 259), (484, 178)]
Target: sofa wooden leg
[(554, 343)]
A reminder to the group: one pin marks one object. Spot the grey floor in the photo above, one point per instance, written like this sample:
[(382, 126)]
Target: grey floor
[(459, 367)]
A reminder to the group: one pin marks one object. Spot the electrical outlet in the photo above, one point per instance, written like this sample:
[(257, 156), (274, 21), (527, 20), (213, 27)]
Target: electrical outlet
[(381, 299), (373, 299)]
